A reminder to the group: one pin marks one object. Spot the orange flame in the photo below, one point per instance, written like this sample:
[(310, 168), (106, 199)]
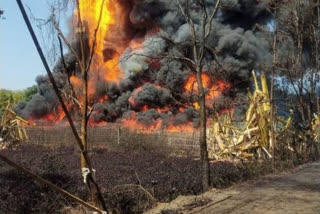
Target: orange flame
[(132, 123), (49, 119), (134, 95), (214, 90), (75, 81), (100, 123), (179, 128), (164, 109), (90, 14), (103, 99), (136, 44), (144, 108)]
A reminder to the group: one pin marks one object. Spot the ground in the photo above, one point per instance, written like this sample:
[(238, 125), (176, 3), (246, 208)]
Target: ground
[(295, 192), (135, 180), (119, 173)]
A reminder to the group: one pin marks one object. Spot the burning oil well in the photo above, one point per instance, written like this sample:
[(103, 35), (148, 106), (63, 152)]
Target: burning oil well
[(134, 80)]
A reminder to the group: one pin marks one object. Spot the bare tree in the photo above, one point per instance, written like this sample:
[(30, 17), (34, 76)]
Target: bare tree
[(298, 52), (195, 63), (84, 60)]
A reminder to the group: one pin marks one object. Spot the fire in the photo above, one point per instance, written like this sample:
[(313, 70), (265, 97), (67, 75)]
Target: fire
[(105, 66), (164, 109), (214, 90), (196, 105), (103, 99), (50, 118), (113, 73), (75, 81), (47, 119), (227, 112), (90, 14), (132, 123), (144, 108), (136, 44), (179, 128), (192, 84), (100, 123), (134, 95)]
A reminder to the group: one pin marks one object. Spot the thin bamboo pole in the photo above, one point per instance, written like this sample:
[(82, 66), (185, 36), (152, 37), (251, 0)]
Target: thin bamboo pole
[(84, 151), (46, 182)]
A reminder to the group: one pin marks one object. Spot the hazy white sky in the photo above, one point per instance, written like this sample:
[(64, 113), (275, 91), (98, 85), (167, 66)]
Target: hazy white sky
[(19, 60)]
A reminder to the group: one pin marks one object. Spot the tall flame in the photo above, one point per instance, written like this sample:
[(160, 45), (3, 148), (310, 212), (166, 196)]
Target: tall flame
[(90, 14)]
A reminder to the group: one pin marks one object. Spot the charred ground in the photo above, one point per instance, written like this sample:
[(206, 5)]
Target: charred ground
[(132, 180)]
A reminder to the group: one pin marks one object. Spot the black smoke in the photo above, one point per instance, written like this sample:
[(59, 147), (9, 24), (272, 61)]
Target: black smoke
[(155, 81)]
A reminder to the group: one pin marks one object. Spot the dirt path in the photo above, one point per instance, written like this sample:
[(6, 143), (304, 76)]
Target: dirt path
[(295, 192)]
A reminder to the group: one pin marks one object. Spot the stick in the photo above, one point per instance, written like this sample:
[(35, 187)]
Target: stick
[(118, 134), (46, 182), (51, 78), (83, 149)]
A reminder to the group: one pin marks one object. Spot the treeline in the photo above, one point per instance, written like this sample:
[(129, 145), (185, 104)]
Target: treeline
[(15, 96)]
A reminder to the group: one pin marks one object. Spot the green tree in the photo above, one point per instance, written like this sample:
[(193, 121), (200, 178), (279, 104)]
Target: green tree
[(29, 92), (5, 97), (15, 96)]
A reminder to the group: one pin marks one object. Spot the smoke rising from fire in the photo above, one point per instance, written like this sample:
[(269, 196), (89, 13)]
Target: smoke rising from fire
[(130, 81)]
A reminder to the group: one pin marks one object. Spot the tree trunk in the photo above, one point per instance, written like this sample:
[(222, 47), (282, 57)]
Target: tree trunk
[(96, 196), (205, 167)]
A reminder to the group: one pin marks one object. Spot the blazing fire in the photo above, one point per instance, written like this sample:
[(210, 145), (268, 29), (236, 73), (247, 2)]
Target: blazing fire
[(90, 12), (214, 90), (144, 104), (48, 119)]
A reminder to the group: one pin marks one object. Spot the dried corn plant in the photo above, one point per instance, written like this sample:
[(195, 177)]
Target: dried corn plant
[(254, 137)]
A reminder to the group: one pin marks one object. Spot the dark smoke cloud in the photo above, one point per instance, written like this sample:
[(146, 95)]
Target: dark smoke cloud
[(148, 117), (45, 100), (150, 95), (244, 13), (144, 13), (239, 45)]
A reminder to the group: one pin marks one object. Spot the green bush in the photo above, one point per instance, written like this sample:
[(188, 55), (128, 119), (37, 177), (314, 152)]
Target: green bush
[(15, 96)]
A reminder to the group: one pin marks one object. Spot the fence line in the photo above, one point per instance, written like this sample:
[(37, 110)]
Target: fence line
[(111, 135)]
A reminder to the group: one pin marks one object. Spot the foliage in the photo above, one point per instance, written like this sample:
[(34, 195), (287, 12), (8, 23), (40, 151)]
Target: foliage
[(29, 92), (15, 96)]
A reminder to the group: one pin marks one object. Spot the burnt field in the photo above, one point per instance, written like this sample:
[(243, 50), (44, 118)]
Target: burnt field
[(135, 170), (132, 179)]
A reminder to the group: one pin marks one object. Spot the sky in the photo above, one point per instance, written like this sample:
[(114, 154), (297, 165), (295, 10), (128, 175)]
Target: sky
[(19, 60)]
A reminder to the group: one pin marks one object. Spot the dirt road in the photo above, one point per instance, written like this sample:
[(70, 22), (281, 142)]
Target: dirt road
[(294, 192)]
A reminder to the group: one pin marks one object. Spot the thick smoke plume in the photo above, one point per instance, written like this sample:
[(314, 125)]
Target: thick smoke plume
[(152, 90)]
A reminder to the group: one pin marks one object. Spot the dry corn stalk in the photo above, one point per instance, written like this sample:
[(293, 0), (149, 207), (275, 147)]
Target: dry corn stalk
[(226, 139), (315, 125), (12, 125)]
